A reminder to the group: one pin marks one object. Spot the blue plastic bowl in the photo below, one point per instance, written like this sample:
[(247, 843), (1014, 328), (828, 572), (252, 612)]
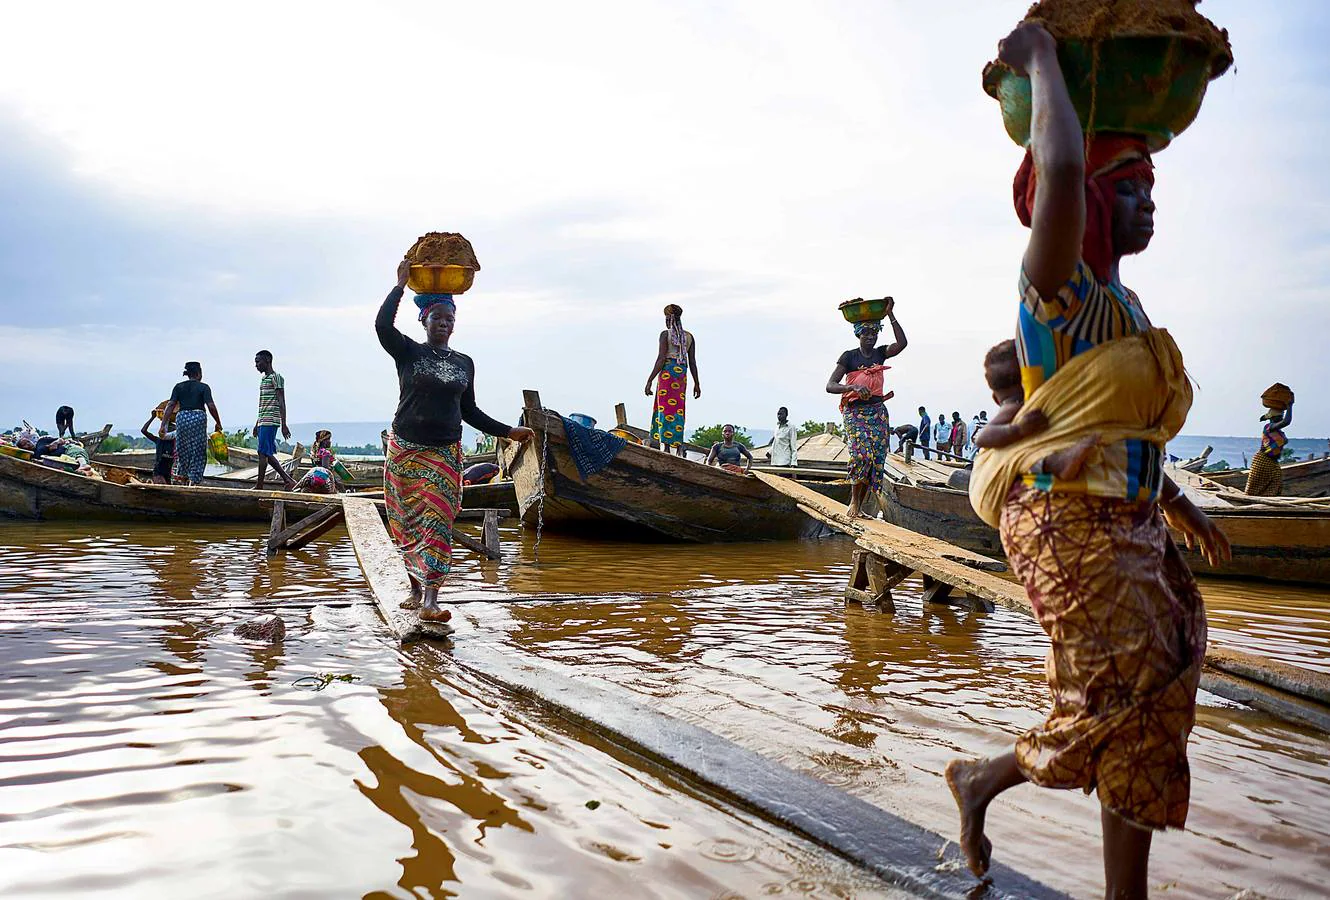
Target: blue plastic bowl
[(583, 419)]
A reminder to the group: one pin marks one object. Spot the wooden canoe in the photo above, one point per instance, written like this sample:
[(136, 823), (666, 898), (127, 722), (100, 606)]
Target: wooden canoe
[(1310, 478), (92, 441), (1289, 544), (643, 492)]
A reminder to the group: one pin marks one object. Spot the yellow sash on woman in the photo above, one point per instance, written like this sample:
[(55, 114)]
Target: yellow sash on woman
[(1132, 388)]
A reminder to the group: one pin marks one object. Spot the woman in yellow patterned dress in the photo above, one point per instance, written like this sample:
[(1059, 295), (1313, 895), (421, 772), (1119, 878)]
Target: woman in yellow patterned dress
[(669, 380), (1125, 621)]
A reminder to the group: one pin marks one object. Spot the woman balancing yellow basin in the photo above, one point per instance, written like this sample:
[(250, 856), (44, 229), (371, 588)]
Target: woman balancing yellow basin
[(429, 279)]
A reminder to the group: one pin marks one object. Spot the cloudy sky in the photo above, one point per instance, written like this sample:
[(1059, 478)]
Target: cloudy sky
[(180, 181)]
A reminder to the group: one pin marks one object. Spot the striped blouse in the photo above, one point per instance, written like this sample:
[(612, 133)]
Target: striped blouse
[(1085, 313)]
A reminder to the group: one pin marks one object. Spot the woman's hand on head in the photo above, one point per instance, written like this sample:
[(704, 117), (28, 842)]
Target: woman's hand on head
[(403, 272), (1199, 532), (1019, 48), (521, 434)]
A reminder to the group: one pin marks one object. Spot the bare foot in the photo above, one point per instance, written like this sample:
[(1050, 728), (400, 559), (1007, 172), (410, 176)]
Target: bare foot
[(852, 511), (435, 614), (978, 849), (412, 602)]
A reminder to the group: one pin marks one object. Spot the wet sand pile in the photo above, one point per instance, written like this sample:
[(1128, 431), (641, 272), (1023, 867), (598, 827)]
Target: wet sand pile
[(1090, 20), (443, 248)]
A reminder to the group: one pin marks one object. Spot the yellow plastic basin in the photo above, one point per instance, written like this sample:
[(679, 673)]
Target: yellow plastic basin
[(440, 279)]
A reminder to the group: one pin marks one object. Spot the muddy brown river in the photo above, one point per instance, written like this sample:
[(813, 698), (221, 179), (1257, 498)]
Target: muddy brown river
[(148, 752)]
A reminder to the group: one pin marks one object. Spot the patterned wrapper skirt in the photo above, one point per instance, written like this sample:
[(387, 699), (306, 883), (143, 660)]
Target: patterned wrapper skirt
[(1266, 478), (1127, 630), (191, 444), (671, 388), (423, 491), (866, 429)]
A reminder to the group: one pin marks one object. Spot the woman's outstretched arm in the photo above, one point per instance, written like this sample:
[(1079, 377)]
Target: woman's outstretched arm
[(1057, 143)]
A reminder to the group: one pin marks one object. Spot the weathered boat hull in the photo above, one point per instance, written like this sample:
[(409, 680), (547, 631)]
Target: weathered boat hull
[(1310, 478), (33, 491), (1287, 545), (644, 493)]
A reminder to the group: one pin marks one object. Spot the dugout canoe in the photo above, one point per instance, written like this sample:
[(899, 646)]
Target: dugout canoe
[(1309, 478), (642, 493), (1286, 544)]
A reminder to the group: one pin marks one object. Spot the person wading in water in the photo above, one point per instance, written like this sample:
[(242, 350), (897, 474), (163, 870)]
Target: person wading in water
[(423, 476), (1124, 616)]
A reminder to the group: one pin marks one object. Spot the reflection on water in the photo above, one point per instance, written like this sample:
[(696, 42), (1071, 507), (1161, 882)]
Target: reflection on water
[(148, 752)]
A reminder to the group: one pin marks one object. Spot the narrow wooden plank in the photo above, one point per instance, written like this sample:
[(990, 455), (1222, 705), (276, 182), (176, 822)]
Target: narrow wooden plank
[(277, 526), (317, 531), (620, 415), (896, 850), (475, 546), (382, 565), (278, 540), (490, 533)]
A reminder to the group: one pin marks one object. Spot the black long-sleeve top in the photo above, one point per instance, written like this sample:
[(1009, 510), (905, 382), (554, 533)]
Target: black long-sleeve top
[(437, 387)]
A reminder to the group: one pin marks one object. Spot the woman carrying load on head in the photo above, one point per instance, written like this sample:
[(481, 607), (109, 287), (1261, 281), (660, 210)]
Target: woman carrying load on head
[(422, 478), (675, 358), (1266, 478), (186, 407), (863, 404), (1126, 622)]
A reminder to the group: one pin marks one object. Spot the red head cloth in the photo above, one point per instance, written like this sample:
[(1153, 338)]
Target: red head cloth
[(1110, 158)]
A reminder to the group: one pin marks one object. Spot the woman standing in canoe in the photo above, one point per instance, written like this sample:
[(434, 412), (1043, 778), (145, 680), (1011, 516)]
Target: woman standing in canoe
[(863, 404), (1124, 617), (188, 401), (675, 357), (422, 478)]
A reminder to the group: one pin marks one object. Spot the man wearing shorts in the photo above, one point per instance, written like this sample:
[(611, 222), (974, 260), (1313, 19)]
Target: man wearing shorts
[(272, 415)]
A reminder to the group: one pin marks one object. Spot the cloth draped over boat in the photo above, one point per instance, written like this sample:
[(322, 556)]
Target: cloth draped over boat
[(1132, 388), (871, 377), (422, 492), (591, 448), (1109, 158)]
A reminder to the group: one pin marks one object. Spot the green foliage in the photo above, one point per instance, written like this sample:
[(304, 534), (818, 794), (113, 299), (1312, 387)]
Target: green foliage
[(243, 438), (1221, 466), (811, 427), (705, 437), (1288, 455), (364, 450), (114, 443)]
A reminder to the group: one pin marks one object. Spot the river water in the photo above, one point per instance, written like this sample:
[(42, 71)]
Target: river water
[(147, 752)]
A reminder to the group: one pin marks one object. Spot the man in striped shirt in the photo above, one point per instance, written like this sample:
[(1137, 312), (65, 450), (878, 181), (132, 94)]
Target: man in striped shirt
[(272, 415)]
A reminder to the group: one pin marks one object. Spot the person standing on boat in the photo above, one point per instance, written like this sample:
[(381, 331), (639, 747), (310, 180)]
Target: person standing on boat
[(729, 454), (1125, 620), (272, 415), (942, 434), (676, 357), (164, 446), (784, 442), (64, 421), (1266, 478), (423, 476), (864, 405), (959, 436), (186, 407), (925, 431)]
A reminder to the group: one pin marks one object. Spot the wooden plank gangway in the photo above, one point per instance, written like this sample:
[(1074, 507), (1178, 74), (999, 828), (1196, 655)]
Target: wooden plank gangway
[(888, 554)]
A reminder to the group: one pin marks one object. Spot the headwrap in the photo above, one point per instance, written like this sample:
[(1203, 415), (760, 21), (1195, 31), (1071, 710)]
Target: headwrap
[(322, 435), (426, 302), (1109, 158), (678, 341), (861, 327)]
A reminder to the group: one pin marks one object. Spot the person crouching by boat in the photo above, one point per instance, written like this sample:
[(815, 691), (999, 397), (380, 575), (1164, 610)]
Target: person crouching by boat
[(1266, 478), (322, 476), (422, 479), (164, 458), (677, 355), (862, 404), (186, 406), (64, 421), (729, 454)]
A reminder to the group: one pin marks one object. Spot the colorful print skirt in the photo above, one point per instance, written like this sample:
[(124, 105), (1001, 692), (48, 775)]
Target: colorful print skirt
[(423, 491), (1127, 630), (866, 430), (671, 388), (1266, 478), (191, 445)]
